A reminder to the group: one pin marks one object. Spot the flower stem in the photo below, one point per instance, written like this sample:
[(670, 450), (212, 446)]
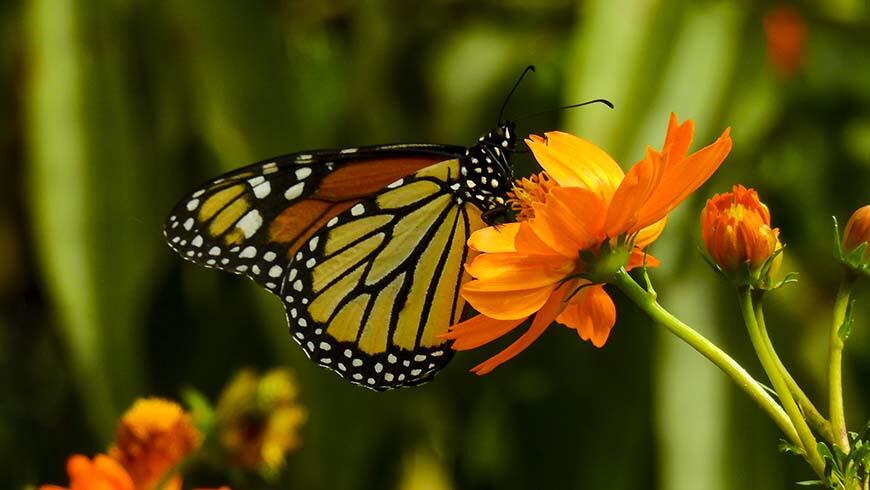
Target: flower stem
[(835, 362), (812, 414), (647, 302), (808, 441)]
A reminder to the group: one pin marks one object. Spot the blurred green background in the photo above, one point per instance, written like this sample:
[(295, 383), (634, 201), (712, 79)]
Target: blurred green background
[(110, 110)]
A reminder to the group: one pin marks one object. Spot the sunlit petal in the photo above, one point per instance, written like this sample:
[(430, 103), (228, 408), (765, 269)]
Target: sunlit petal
[(639, 184), (681, 179), (506, 271), (543, 319), (505, 305), (479, 330), (494, 238), (571, 220), (575, 162), (650, 234)]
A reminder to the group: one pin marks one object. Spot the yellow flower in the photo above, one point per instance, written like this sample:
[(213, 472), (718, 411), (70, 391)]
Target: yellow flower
[(153, 436), (103, 473), (736, 230), (259, 418), (589, 222)]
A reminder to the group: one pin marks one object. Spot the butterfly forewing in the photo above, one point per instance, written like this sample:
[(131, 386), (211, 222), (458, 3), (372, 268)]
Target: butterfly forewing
[(253, 221)]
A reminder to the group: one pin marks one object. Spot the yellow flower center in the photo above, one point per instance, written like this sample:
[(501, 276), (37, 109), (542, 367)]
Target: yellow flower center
[(528, 191)]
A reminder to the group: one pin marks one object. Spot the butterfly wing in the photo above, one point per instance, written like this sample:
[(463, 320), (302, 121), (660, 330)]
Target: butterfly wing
[(253, 220), (371, 291)]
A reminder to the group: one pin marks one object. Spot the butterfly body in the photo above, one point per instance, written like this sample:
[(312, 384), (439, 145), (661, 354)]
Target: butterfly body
[(365, 246)]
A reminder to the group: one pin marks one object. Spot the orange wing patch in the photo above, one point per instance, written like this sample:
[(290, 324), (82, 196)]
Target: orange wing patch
[(366, 177)]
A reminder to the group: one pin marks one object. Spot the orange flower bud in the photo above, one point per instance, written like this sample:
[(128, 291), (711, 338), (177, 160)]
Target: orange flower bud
[(737, 233), (858, 231), (153, 436)]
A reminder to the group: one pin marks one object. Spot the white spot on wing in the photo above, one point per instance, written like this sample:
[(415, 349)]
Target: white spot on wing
[(349, 150), (192, 204), (294, 191), (358, 209), (249, 252), (303, 172), (263, 190), (250, 223), (275, 271)]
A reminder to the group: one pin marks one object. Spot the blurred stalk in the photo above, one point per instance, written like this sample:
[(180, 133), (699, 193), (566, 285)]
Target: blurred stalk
[(95, 226), (58, 174), (655, 60)]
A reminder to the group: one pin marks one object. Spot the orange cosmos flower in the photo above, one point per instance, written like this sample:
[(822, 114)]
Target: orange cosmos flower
[(153, 436), (737, 233), (103, 473), (584, 221)]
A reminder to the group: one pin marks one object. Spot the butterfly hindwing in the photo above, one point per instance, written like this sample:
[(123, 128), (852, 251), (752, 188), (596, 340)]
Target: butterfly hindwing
[(371, 292)]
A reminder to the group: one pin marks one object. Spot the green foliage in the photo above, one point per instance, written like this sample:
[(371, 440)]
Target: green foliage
[(110, 110)]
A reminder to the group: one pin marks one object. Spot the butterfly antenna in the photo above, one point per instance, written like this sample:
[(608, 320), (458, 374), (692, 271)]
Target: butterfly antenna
[(511, 93), (554, 109)]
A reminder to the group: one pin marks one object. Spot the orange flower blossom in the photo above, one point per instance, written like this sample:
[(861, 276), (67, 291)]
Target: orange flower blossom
[(153, 436), (736, 230), (103, 473), (588, 220)]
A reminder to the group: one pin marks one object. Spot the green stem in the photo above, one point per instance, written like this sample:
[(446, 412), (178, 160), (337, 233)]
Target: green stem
[(647, 302), (812, 414), (835, 361), (808, 441)]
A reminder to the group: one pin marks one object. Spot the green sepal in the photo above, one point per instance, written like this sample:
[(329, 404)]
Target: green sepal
[(200, 409), (845, 328), (856, 260)]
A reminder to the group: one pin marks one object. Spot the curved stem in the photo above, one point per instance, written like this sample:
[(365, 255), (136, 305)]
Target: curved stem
[(835, 362), (812, 414), (811, 453), (647, 302)]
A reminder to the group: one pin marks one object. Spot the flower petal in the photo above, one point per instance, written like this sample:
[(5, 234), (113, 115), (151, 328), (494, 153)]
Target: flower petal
[(651, 233), (570, 220), (637, 257), (575, 162), (636, 188), (498, 238), (681, 178), (678, 138), (591, 313), (528, 243), (505, 305), (512, 271), (479, 330), (543, 319)]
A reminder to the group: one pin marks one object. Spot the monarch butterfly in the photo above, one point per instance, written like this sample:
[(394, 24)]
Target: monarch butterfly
[(365, 246)]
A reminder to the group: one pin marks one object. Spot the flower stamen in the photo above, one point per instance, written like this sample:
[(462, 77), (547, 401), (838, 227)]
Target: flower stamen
[(528, 191)]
